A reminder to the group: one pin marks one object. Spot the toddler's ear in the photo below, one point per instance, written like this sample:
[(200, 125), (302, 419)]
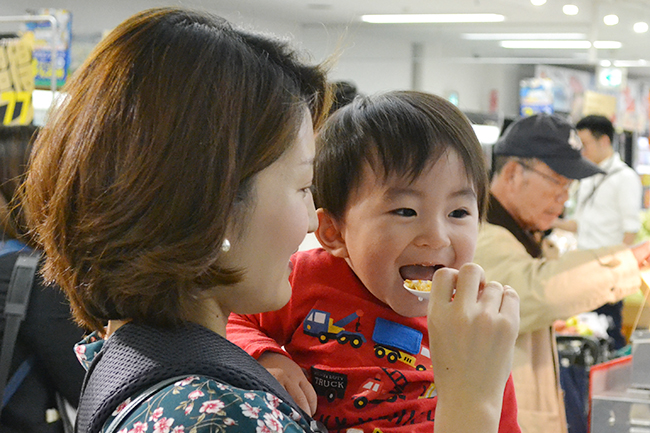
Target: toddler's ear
[(329, 235)]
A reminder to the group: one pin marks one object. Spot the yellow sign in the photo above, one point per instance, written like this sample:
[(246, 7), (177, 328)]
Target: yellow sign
[(599, 104), (16, 82)]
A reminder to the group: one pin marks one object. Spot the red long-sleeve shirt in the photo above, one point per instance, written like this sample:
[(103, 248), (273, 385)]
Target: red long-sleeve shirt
[(369, 366)]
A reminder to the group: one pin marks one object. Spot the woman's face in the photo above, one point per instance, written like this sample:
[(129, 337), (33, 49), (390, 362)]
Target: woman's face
[(281, 214)]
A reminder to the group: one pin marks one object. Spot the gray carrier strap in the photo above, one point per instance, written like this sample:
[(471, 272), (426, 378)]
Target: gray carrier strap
[(137, 358), (126, 411), (20, 287)]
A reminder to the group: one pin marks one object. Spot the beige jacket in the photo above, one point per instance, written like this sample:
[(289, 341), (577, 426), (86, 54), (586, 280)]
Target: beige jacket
[(549, 290)]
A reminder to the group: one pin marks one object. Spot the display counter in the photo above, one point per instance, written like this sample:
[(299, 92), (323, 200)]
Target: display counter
[(620, 391)]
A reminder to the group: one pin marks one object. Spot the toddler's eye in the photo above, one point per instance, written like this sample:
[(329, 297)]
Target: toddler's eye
[(459, 213), (405, 212)]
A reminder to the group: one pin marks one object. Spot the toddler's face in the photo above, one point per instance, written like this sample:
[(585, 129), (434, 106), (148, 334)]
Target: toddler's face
[(394, 230)]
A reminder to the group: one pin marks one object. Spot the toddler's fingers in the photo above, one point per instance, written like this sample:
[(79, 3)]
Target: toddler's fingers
[(296, 391), (310, 396)]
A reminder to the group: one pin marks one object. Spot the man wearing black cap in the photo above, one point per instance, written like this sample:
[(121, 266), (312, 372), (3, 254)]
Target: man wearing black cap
[(534, 164)]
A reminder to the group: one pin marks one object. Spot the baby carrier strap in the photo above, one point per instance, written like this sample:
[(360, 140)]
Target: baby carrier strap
[(136, 357)]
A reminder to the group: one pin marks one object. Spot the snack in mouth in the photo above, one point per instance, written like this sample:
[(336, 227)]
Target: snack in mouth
[(419, 285)]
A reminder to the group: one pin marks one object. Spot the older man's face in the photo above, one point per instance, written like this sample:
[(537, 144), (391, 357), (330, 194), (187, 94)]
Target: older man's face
[(541, 194)]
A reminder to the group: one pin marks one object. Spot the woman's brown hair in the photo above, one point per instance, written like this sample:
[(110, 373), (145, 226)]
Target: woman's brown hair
[(137, 174)]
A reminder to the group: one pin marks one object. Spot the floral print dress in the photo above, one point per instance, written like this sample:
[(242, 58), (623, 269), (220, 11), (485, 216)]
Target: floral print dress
[(199, 404)]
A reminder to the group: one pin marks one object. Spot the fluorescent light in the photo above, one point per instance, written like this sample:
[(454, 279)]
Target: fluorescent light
[(566, 45), (521, 36), (641, 27), (610, 20), (560, 45), (570, 9), (432, 18), (607, 45), (605, 63), (538, 2), (631, 63)]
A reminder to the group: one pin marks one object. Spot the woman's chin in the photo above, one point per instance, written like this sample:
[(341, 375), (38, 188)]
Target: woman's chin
[(282, 296)]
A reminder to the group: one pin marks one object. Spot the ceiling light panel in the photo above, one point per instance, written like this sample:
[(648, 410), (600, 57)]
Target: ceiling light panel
[(432, 18), (570, 9), (553, 45), (607, 45), (561, 45), (522, 36)]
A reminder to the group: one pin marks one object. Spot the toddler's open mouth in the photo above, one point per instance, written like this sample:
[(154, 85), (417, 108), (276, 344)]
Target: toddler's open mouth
[(418, 277)]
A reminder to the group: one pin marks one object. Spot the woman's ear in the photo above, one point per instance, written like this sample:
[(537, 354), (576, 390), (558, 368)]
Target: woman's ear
[(329, 234)]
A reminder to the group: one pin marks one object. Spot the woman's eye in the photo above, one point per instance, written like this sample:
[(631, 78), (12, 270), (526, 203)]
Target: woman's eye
[(405, 212), (306, 190), (459, 213)]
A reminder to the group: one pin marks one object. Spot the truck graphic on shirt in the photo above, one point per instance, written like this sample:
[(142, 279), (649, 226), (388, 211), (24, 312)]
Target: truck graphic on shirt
[(319, 324), (376, 390), (398, 342)]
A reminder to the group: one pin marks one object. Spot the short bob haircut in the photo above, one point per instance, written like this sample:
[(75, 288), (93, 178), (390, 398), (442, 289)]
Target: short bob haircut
[(396, 134), (151, 156)]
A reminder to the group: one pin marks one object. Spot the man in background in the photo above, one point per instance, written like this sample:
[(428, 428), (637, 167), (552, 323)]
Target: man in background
[(608, 205), (534, 164)]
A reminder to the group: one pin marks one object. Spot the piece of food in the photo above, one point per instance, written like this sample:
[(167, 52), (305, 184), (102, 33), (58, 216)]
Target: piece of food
[(419, 285)]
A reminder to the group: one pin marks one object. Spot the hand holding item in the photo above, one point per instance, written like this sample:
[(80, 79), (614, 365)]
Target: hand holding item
[(292, 378), (472, 344), (641, 252)]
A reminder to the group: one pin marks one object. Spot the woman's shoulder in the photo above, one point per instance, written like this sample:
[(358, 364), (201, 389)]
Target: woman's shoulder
[(202, 404)]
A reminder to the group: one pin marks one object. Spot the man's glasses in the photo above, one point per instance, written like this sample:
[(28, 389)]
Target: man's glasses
[(564, 184)]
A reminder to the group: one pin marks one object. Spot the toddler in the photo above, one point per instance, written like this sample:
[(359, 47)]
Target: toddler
[(400, 183)]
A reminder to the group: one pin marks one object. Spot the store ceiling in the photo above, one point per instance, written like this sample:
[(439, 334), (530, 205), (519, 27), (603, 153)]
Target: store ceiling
[(521, 16)]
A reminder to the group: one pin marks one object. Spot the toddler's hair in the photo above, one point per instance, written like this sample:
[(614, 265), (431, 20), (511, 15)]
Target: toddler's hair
[(397, 133)]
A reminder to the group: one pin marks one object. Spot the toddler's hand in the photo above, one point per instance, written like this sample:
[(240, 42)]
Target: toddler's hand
[(291, 376), (472, 344)]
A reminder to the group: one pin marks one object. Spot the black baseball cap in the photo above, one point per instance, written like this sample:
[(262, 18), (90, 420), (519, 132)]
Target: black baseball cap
[(550, 139)]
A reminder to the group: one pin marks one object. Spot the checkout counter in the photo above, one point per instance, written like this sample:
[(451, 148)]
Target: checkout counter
[(620, 391)]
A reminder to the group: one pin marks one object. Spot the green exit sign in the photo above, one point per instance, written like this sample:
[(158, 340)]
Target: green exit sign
[(611, 78)]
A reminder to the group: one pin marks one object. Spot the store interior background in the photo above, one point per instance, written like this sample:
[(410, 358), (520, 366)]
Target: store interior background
[(430, 57), (483, 77)]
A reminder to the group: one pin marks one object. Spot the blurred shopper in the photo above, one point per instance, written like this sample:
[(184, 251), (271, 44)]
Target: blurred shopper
[(344, 93), (47, 335), (608, 205), (535, 162)]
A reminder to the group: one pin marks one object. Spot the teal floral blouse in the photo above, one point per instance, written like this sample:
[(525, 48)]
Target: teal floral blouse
[(200, 405)]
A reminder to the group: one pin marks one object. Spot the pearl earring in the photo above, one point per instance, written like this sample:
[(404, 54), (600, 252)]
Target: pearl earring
[(225, 246)]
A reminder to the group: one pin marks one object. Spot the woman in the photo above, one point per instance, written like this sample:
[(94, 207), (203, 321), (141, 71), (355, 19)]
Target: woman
[(169, 190), (47, 331)]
